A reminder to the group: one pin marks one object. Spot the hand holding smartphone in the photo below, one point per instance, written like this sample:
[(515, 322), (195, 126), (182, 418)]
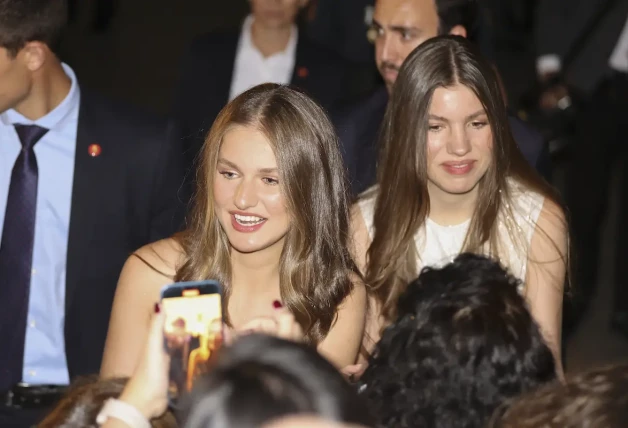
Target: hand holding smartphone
[(193, 330)]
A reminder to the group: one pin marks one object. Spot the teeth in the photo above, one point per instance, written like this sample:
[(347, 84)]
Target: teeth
[(248, 220)]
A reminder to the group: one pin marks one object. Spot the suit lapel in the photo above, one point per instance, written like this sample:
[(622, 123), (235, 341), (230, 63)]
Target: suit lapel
[(219, 64), (87, 192), (301, 72), (224, 71)]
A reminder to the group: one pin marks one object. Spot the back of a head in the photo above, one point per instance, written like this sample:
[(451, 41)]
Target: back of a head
[(84, 400), (261, 378), (597, 398), (462, 344), (23, 21)]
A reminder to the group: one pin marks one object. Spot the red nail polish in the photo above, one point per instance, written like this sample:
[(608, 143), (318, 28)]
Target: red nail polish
[(277, 304), (157, 308)]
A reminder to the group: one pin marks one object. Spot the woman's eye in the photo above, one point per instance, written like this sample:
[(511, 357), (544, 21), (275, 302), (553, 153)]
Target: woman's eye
[(228, 174), (270, 181), (435, 128), (478, 124)]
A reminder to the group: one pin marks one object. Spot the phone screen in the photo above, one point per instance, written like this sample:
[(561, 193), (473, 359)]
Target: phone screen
[(192, 331)]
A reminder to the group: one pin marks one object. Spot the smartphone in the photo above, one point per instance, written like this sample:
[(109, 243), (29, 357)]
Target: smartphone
[(193, 331)]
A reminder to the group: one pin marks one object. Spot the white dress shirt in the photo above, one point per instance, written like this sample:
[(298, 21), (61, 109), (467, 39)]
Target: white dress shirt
[(618, 60), (251, 68), (44, 349)]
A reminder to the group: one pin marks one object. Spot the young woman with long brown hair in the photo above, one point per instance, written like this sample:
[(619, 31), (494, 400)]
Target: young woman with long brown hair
[(270, 222), (451, 179)]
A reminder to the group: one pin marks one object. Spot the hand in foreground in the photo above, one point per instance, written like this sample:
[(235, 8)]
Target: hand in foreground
[(281, 324), (147, 390), (353, 372)]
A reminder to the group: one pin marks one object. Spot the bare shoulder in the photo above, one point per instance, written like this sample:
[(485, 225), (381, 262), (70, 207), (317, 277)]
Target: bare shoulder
[(152, 266), (552, 212), (165, 255), (550, 241), (552, 225)]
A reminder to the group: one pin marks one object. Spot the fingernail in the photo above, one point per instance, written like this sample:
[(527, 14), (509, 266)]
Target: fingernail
[(277, 304), (157, 308)]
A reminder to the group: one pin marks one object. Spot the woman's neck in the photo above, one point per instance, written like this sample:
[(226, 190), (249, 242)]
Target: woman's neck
[(257, 271), (270, 41), (449, 209)]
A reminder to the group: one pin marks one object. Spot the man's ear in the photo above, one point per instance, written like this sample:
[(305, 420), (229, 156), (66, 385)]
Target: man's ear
[(459, 30), (34, 54)]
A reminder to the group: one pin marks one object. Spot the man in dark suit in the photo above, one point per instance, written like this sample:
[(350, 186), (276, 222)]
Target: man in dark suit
[(268, 48), (599, 71), (83, 183), (399, 26), (341, 26)]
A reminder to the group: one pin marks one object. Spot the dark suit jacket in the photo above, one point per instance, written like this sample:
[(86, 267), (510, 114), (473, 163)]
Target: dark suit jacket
[(121, 200), (559, 24), (358, 129), (207, 72)]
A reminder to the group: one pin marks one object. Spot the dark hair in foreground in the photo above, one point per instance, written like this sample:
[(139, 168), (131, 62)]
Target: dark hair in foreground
[(597, 398), (261, 378), (315, 265), (23, 21), (464, 342), (84, 400)]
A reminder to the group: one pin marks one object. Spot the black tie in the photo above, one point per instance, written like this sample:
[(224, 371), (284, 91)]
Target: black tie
[(16, 256)]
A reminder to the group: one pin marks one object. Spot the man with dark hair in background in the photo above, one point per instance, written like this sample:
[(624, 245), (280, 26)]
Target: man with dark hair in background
[(83, 182), (398, 27)]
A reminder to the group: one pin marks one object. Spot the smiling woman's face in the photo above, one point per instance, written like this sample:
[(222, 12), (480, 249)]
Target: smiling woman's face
[(249, 202)]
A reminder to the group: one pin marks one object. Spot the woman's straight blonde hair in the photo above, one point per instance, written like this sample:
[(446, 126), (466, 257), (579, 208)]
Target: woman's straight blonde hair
[(315, 265)]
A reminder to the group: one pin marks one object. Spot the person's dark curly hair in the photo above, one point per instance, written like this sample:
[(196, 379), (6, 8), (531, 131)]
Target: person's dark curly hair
[(463, 343)]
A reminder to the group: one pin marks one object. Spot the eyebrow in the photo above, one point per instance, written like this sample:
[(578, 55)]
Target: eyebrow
[(470, 117), (234, 166), (397, 28)]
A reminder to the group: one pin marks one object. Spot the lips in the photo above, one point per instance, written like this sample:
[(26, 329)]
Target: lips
[(458, 168), (246, 222)]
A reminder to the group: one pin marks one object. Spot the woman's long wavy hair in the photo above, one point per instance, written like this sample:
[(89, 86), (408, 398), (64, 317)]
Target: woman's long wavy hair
[(403, 203), (315, 264)]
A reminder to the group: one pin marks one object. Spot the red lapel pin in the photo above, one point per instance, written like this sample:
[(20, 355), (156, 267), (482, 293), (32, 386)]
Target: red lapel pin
[(303, 72), (94, 150)]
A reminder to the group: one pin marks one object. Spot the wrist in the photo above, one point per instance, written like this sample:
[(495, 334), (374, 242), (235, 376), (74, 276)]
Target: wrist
[(123, 412), (129, 396)]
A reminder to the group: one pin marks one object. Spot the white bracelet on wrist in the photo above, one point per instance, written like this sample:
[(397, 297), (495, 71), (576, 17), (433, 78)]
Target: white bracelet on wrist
[(123, 411)]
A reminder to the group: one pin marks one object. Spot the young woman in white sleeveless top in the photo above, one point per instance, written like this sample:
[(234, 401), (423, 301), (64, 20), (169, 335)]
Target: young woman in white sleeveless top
[(452, 179)]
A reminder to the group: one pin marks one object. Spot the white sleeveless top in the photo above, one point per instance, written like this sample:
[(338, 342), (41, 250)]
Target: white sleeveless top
[(438, 245)]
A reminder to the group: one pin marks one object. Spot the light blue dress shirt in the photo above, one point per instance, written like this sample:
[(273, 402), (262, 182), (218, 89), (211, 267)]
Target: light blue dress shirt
[(44, 353)]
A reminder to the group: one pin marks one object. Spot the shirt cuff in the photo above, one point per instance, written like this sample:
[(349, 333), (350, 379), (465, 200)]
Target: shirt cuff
[(548, 64)]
